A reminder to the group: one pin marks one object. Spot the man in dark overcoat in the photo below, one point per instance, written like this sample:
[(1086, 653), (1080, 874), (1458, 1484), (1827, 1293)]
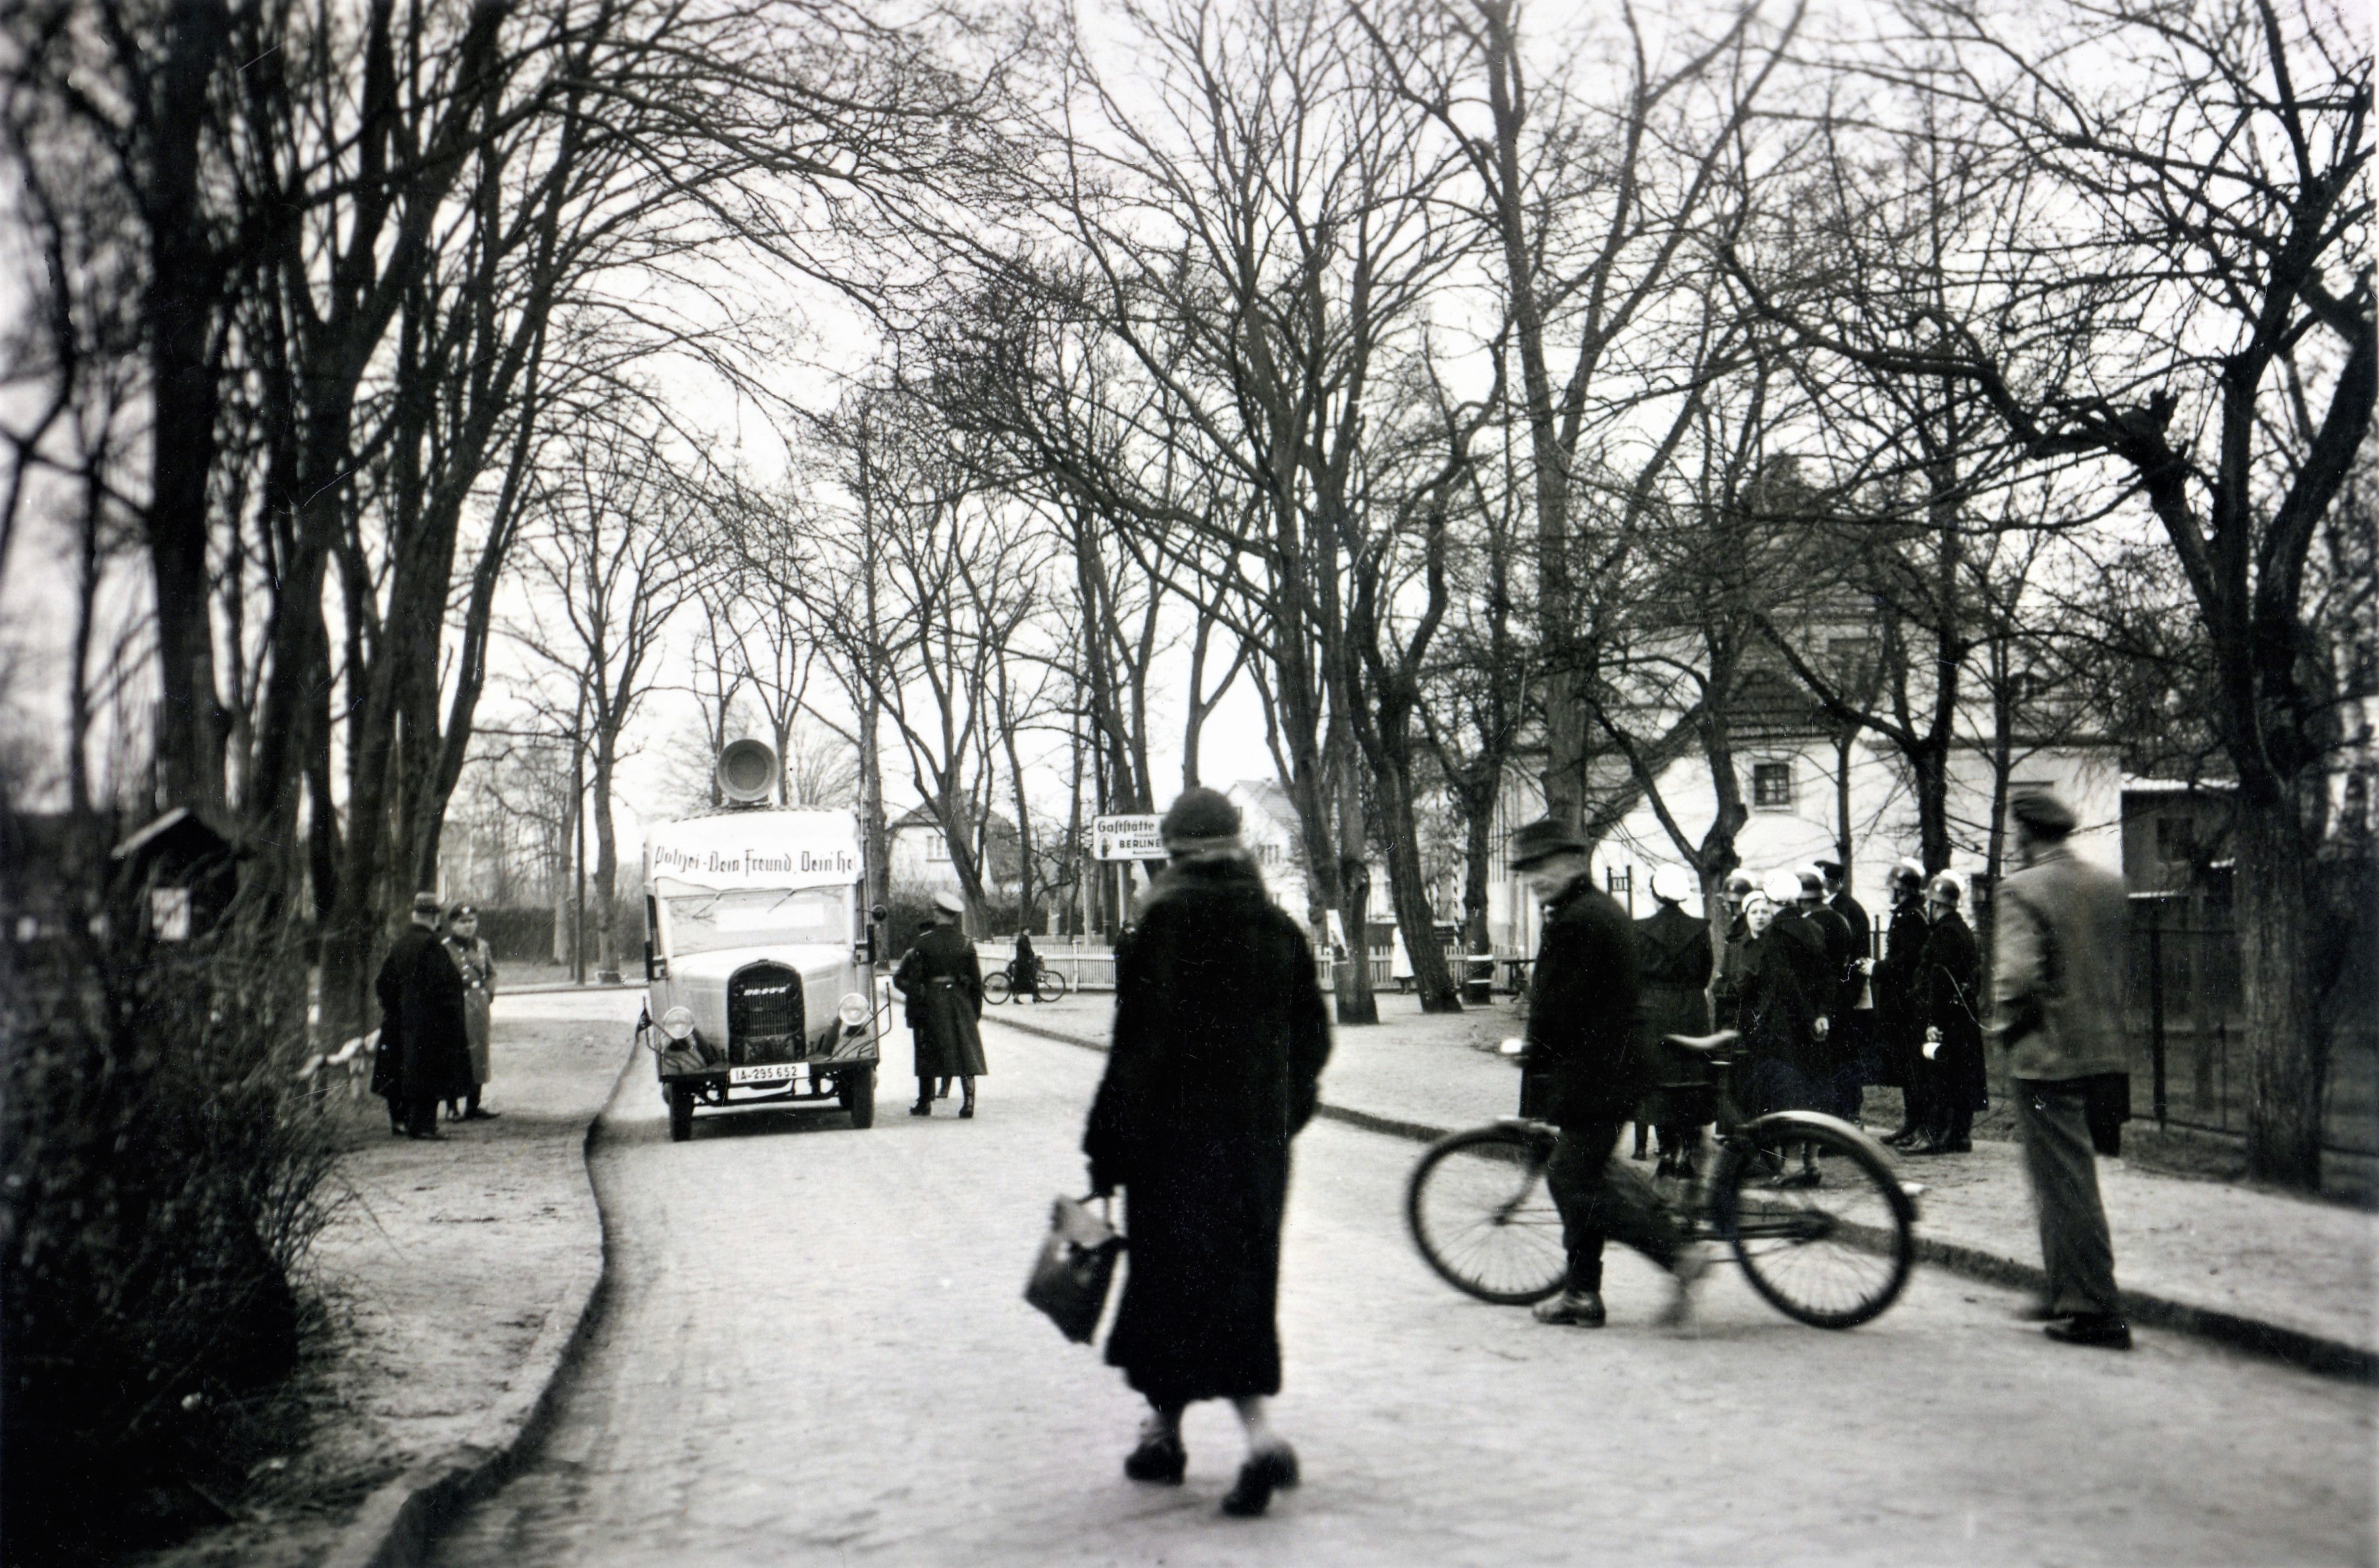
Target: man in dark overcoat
[(425, 1047), (1219, 1042), (941, 982), (1951, 984), (1899, 1018), (1837, 1073), (1674, 949), (1586, 1049), (1854, 1031), (2058, 931), (1734, 958)]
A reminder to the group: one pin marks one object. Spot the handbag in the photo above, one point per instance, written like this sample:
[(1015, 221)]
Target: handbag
[(1076, 1264)]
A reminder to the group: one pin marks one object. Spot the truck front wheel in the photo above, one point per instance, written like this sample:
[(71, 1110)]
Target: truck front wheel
[(857, 1088), (680, 1102)]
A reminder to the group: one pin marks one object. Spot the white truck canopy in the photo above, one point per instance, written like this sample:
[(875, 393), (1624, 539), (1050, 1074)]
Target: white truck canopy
[(754, 849)]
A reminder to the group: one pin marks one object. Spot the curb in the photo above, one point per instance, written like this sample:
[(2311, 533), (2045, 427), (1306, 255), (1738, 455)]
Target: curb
[(399, 1522), (2311, 1353)]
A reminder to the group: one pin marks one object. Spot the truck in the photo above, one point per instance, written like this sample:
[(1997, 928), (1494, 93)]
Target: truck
[(759, 955)]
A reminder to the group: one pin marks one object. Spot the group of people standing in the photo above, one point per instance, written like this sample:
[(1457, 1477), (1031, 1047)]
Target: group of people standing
[(437, 989), (1822, 1019)]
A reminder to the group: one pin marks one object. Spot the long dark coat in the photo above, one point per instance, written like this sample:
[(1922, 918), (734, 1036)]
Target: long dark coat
[(941, 988), (476, 961), (1733, 965), (1586, 1052), (1777, 1009), (1672, 950), (425, 1050), (1952, 979), (1898, 1014), (1219, 1042)]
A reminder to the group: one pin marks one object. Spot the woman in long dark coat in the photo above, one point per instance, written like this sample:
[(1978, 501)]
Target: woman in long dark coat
[(1898, 1012), (941, 982), (1219, 1042), (1952, 985)]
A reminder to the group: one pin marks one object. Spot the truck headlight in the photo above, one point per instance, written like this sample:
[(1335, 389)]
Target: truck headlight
[(678, 1024), (854, 1010)]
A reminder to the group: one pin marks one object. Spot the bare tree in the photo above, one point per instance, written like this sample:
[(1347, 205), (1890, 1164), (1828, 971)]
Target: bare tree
[(609, 555), (2200, 322)]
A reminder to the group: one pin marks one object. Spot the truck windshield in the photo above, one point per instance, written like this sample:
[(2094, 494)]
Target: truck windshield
[(705, 922)]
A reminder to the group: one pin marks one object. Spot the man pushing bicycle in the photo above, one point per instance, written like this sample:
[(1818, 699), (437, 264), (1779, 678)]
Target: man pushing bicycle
[(1584, 1070)]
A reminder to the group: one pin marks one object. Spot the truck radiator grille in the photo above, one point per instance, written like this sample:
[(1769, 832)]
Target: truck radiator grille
[(764, 1015)]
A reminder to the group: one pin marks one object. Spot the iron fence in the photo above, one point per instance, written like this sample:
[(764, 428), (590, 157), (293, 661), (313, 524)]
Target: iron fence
[(2187, 1040)]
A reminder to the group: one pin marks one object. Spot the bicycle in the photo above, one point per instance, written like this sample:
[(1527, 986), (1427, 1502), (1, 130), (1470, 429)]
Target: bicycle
[(1000, 984), (1832, 1251)]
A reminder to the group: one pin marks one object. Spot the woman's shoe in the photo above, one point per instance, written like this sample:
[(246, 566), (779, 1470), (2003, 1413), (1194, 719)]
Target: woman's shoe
[(1275, 1469), (1159, 1459)]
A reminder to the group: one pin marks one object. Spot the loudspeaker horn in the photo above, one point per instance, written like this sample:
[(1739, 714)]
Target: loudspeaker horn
[(747, 771)]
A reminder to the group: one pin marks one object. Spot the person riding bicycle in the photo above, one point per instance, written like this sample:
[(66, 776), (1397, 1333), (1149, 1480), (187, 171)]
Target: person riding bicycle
[(1585, 1069), (1024, 970)]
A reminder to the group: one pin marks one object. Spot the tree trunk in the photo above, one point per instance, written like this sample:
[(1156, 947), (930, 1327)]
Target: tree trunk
[(607, 861), (1356, 1004), (2288, 1053), (1407, 892)]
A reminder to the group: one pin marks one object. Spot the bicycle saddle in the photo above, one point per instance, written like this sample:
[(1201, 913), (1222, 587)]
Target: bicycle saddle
[(1705, 1043)]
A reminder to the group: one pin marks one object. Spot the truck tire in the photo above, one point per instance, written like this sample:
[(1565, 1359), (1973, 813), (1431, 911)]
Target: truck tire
[(857, 1088), (680, 1102)]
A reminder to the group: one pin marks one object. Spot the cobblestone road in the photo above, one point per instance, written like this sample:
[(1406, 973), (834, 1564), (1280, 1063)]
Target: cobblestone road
[(813, 1352)]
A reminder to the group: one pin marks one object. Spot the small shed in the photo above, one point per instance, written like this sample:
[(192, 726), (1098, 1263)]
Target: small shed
[(175, 876)]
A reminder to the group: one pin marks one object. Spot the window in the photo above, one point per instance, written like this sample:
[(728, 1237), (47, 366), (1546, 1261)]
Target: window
[(2176, 840), (1772, 785), (1267, 854), (937, 846)]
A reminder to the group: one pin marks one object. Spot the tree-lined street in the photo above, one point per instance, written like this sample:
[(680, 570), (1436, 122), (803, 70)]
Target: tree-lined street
[(812, 1349)]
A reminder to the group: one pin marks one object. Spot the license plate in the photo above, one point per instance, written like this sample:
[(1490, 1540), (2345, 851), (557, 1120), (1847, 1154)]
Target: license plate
[(779, 1072)]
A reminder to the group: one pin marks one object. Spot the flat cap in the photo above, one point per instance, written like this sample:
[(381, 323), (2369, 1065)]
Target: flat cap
[(1540, 840), (2041, 815)]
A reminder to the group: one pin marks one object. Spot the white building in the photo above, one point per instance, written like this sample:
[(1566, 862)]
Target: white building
[(1793, 790)]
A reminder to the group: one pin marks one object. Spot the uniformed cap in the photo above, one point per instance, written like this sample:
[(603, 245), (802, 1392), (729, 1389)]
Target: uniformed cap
[(2042, 814), (1907, 868), (949, 902), (461, 911), (1829, 868), (1944, 888), (1739, 882), (1784, 887), (428, 904), (1812, 879), (1542, 841)]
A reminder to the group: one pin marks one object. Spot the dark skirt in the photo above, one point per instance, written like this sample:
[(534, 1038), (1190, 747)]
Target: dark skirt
[(1201, 1276)]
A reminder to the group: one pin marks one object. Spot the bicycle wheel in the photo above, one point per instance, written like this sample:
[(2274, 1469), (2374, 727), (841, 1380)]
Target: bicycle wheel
[(1480, 1212), (1832, 1255), (994, 987), (1052, 986)]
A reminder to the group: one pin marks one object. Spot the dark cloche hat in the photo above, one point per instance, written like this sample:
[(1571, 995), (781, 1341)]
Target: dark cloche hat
[(1542, 841), (2042, 814), (1198, 819)]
